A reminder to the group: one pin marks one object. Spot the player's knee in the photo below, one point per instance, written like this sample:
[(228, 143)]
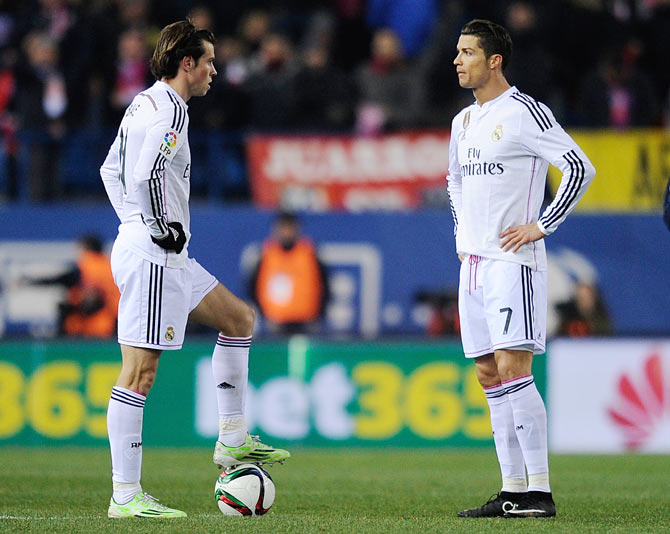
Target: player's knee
[(241, 324), (509, 371), (513, 364), (486, 371), (488, 378), (247, 320), (146, 380)]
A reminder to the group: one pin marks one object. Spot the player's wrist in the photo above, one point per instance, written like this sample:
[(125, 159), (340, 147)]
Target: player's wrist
[(542, 229), (174, 240)]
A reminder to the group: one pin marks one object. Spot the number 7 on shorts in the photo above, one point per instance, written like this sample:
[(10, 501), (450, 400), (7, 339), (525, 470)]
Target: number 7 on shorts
[(507, 320)]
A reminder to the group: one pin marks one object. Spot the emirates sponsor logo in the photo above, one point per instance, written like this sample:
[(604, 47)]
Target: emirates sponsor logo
[(641, 410)]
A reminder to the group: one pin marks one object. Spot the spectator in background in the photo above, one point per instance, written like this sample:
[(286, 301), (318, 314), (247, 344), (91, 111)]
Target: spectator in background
[(442, 99), (132, 70), (66, 24), (585, 313), (531, 70), (92, 298), (254, 27), (233, 64), (324, 96), (8, 142), (41, 104), (442, 307), (352, 36), (618, 94), (9, 186), (202, 18), (111, 22), (216, 128), (388, 95), (289, 285), (270, 86), (410, 20)]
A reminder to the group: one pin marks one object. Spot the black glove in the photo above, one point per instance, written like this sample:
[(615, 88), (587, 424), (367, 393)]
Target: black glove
[(175, 240)]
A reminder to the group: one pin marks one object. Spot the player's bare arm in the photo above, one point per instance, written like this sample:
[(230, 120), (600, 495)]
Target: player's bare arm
[(514, 238)]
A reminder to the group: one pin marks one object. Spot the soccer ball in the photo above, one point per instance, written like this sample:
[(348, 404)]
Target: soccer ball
[(245, 489)]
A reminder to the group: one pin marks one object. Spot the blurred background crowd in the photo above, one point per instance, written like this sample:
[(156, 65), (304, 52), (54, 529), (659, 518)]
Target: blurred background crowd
[(69, 68)]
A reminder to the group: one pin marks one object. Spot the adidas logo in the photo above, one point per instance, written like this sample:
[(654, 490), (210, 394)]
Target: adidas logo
[(225, 385), (641, 412)]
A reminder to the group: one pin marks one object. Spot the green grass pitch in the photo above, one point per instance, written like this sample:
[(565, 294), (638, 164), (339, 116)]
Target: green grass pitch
[(361, 491)]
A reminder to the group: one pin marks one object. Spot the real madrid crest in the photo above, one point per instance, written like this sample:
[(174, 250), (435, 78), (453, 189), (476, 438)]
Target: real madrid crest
[(497, 133), (169, 334), (466, 120)]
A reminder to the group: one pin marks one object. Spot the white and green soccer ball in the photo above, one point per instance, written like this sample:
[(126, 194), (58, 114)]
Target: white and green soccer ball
[(243, 490)]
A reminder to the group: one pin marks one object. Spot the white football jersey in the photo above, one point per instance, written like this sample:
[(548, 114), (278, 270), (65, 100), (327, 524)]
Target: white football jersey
[(499, 153), (147, 173)]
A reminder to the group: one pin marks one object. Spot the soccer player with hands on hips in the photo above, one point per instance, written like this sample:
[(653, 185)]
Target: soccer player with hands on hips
[(147, 178), (500, 149)]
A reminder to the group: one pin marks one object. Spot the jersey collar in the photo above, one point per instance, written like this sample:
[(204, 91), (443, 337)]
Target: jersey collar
[(498, 98), (170, 90)]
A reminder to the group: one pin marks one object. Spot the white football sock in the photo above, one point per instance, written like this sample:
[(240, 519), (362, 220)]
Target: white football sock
[(507, 445), (230, 367), (124, 427), (539, 482), (530, 424)]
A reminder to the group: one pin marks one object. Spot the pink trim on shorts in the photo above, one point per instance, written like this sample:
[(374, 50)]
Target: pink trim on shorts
[(473, 260), (143, 345)]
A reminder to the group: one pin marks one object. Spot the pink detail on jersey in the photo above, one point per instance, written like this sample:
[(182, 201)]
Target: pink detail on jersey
[(530, 189), (152, 100)]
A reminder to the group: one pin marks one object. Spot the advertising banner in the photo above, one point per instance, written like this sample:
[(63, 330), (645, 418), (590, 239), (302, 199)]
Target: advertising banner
[(305, 392), (390, 274), (632, 169), (401, 171), (609, 396), (351, 173)]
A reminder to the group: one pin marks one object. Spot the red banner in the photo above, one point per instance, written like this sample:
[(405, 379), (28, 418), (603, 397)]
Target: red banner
[(350, 173)]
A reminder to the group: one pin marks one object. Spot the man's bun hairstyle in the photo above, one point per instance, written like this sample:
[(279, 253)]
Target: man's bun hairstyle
[(175, 42)]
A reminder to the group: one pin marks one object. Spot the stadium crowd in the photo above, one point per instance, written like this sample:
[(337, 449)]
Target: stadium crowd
[(69, 68)]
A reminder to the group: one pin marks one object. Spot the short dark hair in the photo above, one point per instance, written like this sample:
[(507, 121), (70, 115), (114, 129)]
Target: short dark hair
[(175, 42), (493, 38), (91, 242), (287, 217)]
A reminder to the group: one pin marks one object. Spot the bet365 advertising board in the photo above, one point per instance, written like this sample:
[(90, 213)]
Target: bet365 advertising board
[(301, 392)]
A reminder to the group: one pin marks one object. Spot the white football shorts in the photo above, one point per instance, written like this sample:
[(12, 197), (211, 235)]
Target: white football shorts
[(502, 305), (156, 300)]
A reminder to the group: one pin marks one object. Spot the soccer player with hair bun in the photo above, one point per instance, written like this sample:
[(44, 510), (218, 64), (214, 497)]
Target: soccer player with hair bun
[(147, 178), (500, 149)]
